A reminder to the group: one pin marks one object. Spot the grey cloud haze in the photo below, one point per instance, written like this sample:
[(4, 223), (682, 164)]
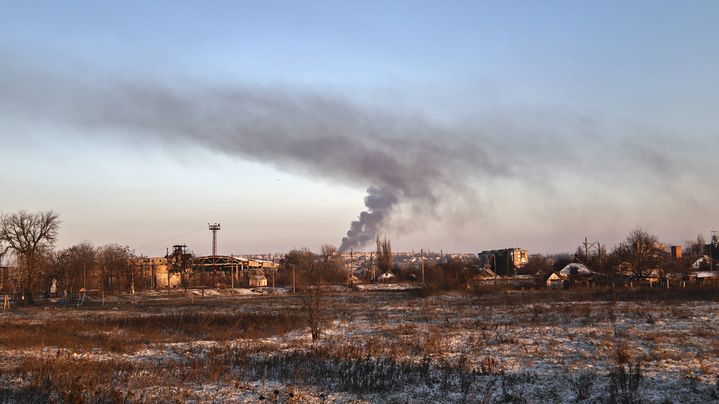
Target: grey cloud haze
[(402, 160)]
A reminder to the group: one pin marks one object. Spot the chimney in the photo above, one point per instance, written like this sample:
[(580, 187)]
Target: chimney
[(676, 252)]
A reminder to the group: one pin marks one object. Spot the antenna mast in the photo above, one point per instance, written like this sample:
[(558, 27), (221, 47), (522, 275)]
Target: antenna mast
[(214, 228)]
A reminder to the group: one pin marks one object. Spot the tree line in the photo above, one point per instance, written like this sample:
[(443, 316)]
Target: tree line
[(29, 239), (639, 255)]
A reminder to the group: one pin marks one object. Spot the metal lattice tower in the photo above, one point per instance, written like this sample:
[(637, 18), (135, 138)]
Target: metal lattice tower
[(214, 228)]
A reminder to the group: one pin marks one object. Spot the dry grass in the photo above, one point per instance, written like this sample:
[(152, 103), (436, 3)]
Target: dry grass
[(129, 331)]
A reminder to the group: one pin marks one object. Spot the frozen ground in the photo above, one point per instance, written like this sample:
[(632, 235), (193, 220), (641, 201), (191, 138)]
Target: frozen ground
[(375, 347)]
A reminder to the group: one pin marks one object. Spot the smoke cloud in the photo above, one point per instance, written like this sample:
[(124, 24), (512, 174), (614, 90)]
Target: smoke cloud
[(405, 162), (402, 160), (379, 204)]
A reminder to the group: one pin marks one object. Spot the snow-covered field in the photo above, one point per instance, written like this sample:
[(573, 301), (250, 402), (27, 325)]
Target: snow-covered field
[(375, 347)]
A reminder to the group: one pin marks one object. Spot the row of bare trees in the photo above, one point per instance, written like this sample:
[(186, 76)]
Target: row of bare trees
[(28, 240), (303, 267), (106, 268)]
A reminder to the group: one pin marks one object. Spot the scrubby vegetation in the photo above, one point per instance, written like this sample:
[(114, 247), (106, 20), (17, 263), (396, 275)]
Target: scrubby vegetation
[(505, 347)]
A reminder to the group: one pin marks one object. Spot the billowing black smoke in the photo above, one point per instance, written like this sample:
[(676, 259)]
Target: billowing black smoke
[(402, 160), (379, 204)]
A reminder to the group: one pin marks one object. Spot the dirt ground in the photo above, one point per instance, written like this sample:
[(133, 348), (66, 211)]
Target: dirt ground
[(380, 346)]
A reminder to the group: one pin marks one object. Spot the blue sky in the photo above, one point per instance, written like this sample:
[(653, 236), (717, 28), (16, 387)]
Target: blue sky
[(605, 113)]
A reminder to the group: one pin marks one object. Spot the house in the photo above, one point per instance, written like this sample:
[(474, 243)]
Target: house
[(575, 269), (484, 277), (257, 280), (556, 280), (577, 274), (654, 277), (704, 277), (702, 263)]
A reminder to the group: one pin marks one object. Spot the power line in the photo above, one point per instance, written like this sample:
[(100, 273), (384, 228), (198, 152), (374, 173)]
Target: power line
[(144, 247)]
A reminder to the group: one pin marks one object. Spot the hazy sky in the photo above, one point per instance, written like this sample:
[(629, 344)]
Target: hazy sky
[(472, 125)]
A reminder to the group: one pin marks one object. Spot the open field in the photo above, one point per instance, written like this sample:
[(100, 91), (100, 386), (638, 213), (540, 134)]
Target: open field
[(375, 347)]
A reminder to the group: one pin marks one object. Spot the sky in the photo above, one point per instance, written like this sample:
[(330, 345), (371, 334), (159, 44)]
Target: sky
[(455, 126)]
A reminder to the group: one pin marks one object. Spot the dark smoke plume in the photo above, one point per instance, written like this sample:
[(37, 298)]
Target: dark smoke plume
[(408, 165), (379, 204), (402, 160)]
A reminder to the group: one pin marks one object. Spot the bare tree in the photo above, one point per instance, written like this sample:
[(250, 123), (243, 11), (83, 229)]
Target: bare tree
[(74, 265), (331, 266), (309, 278), (640, 251), (327, 252), (27, 235), (695, 248), (384, 255), (303, 262), (313, 304), (180, 262), (115, 262)]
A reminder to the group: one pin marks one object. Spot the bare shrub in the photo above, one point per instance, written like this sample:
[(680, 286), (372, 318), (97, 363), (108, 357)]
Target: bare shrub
[(537, 313), (581, 384), (486, 393), (312, 304), (649, 318), (624, 382), (64, 379), (714, 390), (510, 391), (490, 365), (465, 377)]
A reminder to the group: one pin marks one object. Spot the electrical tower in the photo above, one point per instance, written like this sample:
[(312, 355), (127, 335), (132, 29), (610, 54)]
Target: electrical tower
[(214, 228)]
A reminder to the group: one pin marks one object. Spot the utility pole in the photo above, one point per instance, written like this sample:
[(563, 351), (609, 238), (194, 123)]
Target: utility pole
[(494, 268), (587, 246), (506, 266), (293, 279), (349, 270), (272, 271), (421, 264), (102, 285), (167, 266)]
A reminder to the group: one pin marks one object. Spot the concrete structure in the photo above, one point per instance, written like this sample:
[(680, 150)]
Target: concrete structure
[(505, 261), (157, 269)]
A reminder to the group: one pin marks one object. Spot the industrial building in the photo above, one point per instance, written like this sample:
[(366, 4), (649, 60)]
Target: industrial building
[(181, 268), (505, 261)]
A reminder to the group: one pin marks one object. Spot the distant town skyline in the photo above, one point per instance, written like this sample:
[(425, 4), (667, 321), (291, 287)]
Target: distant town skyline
[(457, 126)]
